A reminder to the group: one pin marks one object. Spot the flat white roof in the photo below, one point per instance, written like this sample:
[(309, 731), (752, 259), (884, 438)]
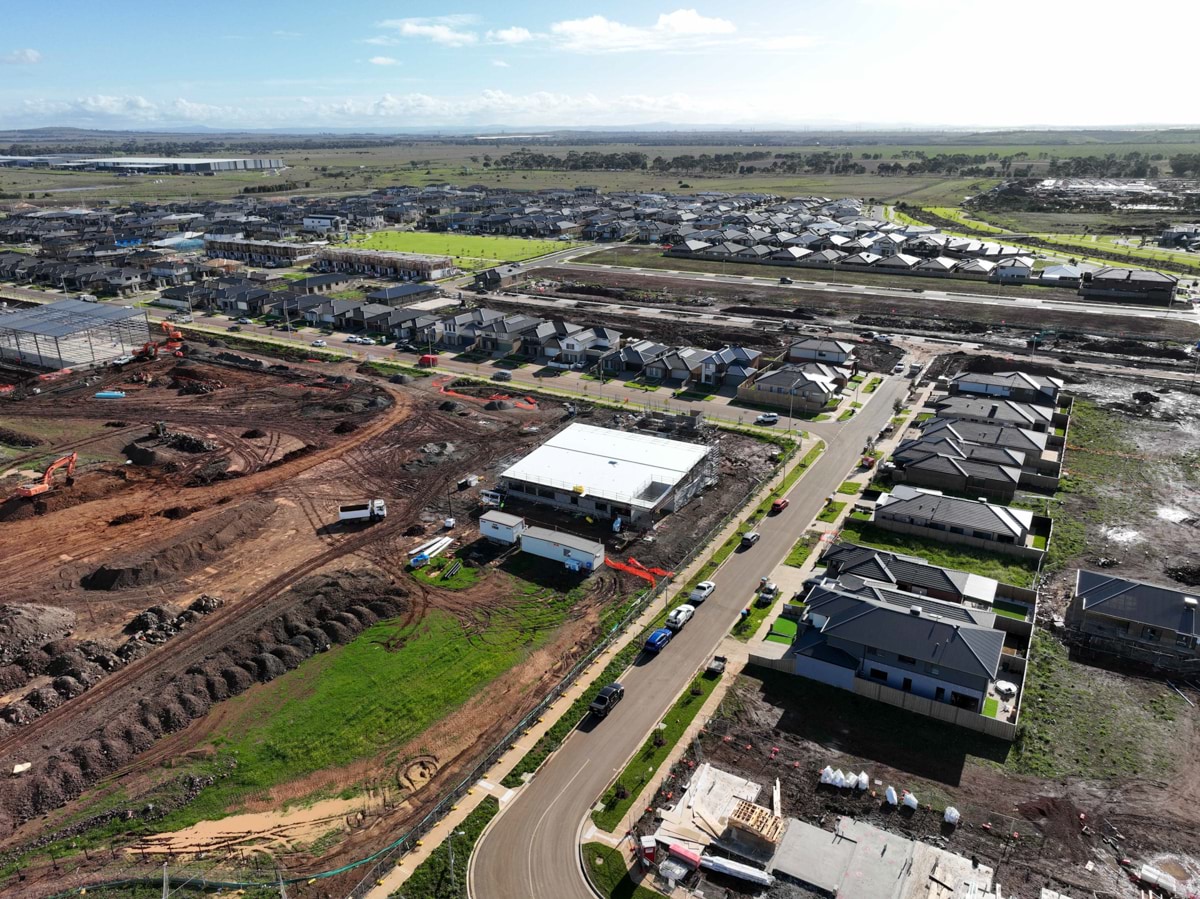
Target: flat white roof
[(615, 465)]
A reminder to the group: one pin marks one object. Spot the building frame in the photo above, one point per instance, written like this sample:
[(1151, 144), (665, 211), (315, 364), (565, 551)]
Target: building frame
[(71, 334)]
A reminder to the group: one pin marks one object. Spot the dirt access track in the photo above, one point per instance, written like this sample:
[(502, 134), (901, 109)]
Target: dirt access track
[(197, 552)]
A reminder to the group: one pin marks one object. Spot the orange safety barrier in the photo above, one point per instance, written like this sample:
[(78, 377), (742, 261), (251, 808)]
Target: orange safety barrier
[(658, 571), (621, 566)]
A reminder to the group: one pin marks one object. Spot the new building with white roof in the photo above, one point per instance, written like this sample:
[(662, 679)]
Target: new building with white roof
[(609, 474)]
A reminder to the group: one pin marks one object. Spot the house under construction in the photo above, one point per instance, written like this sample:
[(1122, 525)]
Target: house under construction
[(385, 264)]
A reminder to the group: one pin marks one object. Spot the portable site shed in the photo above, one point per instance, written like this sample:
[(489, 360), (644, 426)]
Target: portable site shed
[(577, 553), (501, 527)]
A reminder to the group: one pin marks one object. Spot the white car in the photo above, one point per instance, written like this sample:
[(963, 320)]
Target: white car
[(319, 343), (680, 616), (352, 339), (767, 418), (702, 591), (898, 368)]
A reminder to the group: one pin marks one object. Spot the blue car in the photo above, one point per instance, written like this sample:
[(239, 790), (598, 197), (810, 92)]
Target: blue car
[(657, 640)]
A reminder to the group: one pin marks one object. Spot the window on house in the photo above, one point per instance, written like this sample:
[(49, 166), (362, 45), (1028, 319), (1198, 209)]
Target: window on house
[(1150, 633), (955, 530), (878, 674), (907, 660)]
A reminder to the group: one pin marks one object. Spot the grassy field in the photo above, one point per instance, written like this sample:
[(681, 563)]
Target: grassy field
[(1002, 568), (643, 767), (471, 252), (609, 873)]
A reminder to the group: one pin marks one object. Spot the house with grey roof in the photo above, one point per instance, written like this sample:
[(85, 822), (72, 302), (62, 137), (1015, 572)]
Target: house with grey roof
[(948, 519), (911, 574), (1010, 385), (820, 349), (798, 388), (1135, 622), (730, 365), (961, 468), (997, 411), (855, 631)]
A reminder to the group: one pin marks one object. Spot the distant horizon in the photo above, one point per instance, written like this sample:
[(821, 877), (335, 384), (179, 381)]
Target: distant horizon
[(855, 64)]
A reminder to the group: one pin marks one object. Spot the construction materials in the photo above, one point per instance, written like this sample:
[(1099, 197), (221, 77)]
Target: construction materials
[(111, 395), (37, 488)]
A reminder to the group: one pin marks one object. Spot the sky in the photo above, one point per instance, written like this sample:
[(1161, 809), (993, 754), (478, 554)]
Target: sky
[(527, 64)]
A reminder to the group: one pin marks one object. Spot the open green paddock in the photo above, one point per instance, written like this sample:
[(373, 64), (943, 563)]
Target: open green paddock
[(471, 252)]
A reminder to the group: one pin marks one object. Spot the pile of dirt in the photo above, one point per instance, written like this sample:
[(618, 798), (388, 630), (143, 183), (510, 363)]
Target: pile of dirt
[(327, 609), (15, 438), (26, 626), (254, 434), (180, 557)]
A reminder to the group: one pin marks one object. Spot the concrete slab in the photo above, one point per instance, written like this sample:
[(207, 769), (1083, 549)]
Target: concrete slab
[(813, 856), (880, 862)]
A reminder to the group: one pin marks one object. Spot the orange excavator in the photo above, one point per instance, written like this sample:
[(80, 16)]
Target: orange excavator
[(172, 342), (37, 488)]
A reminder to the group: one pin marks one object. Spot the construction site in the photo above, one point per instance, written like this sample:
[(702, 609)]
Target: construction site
[(182, 606)]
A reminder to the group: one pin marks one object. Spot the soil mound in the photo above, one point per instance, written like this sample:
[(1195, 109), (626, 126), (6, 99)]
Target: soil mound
[(26, 626), (16, 438), (253, 434), (201, 548)]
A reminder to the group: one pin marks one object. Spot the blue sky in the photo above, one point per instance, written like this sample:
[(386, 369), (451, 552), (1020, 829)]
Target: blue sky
[(352, 63)]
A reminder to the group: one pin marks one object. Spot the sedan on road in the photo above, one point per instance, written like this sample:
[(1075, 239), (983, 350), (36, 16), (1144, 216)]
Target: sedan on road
[(319, 343), (779, 505), (680, 616), (748, 540), (767, 418)]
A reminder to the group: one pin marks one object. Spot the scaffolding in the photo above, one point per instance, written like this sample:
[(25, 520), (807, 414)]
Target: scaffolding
[(71, 334)]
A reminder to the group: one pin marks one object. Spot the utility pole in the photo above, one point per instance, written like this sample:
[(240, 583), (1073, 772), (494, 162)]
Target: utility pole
[(450, 840), (166, 884)]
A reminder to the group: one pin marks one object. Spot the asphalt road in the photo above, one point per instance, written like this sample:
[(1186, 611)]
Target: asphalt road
[(531, 850)]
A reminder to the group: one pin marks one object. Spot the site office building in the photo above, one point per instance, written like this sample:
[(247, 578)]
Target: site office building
[(612, 474)]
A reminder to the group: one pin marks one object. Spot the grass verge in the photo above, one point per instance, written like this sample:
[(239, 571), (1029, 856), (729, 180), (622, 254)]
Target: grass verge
[(851, 487), (783, 630), (803, 549), (609, 873), (830, 513), (643, 767), (433, 878), (846, 415)]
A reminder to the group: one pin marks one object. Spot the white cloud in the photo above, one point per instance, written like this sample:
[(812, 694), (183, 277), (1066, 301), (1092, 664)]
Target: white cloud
[(514, 35), (445, 30), (25, 57), (681, 29), (500, 63), (382, 40), (383, 61)]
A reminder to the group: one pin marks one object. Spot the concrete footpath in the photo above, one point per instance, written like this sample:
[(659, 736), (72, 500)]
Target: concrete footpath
[(489, 784)]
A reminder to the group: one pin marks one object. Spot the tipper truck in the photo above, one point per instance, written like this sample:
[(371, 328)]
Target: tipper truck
[(372, 510)]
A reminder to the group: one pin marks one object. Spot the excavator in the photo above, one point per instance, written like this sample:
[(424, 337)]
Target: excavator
[(37, 488), (172, 342)]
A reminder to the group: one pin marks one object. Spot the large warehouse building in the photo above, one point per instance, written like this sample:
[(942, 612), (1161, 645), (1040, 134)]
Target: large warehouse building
[(610, 474), (71, 334), (141, 163)]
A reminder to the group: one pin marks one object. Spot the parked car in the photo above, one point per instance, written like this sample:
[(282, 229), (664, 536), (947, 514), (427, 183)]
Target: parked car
[(234, 328), (680, 615), (898, 368), (786, 280), (883, 338), (606, 700), (767, 593), (701, 592), (244, 321), (748, 540), (767, 418), (502, 376), (779, 505), (867, 335), (319, 343), (658, 640)]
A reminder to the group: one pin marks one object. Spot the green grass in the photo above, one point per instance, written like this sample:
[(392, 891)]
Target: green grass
[(394, 368), (802, 550), (1010, 610), (398, 681), (846, 415), (470, 252), (747, 625), (433, 574), (822, 416), (609, 873), (783, 630), (1039, 541), (1003, 568), (433, 878), (851, 487), (923, 417), (643, 767), (990, 707), (1077, 721), (872, 385), (830, 513)]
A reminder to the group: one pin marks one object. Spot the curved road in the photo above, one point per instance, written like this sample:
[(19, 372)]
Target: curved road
[(531, 850)]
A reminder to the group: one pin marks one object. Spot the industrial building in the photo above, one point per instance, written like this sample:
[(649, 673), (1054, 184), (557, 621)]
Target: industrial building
[(612, 474), (386, 264), (170, 164), (71, 334)]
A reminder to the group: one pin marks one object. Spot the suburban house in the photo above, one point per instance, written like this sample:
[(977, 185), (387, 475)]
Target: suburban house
[(1034, 444), (503, 336), (730, 365), (938, 650), (947, 519), (912, 574), (635, 356), (962, 468), (460, 330), (1129, 284), (680, 364), (586, 346), (493, 279), (322, 283), (1010, 385), (403, 294), (800, 388), (820, 349), (996, 411), (1134, 621), (328, 312)]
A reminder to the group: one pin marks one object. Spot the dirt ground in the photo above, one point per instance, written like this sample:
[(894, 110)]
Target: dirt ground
[(196, 553), (1034, 832)]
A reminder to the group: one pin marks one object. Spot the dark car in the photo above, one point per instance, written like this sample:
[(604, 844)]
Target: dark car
[(785, 281), (658, 640), (606, 700)]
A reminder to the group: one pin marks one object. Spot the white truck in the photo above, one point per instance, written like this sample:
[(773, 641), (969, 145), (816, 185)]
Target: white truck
[(371, 511)]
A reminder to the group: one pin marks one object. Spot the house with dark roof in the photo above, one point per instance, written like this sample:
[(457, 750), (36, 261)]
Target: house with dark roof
[(946, 465), (403, 294), (997, 411), (730, 365), (940, 651), (1135, 622), (1010, 385), (948, 519), (1129, 284), (799, 388), (820, 349)]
